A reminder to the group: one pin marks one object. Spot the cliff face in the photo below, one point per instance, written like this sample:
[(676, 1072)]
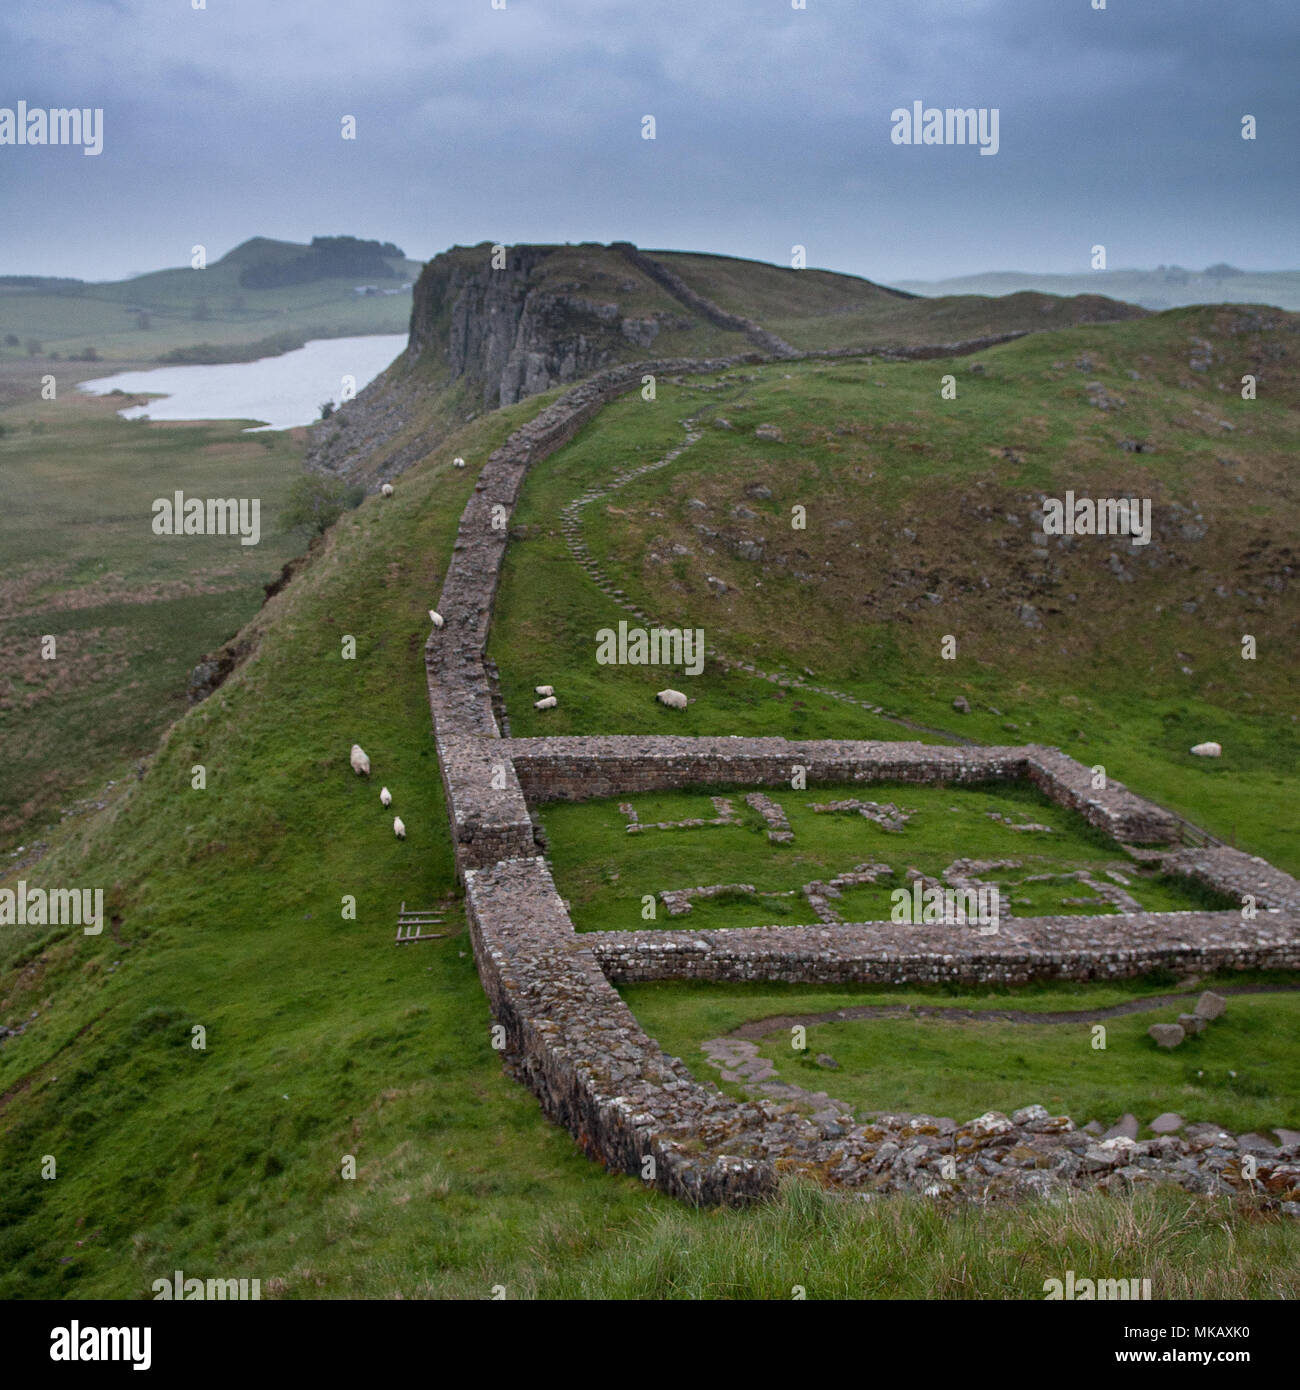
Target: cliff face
[(485, 335), (548, 316)]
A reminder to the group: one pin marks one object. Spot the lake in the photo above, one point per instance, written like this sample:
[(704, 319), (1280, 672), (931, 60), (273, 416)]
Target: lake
[(279, 391)]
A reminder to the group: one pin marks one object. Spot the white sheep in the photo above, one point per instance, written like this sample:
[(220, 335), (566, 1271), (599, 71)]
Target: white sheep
[(549, 703), (435, 617), (1208, 750), (459, 463), (543, 690), (387, 489), (360, 763), (385, 797), (398, 828), (674, 699)]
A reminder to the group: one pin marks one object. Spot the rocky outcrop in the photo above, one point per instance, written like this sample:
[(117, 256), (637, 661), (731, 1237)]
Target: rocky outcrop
[(523, 324)]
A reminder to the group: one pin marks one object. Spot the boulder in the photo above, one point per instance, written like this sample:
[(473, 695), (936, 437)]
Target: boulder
[(961, 704), (1127, 1128), (1192, 1023), (1168, 1123), (1208, 750), (1167, 1035), (1210, 1005), (770, 432)]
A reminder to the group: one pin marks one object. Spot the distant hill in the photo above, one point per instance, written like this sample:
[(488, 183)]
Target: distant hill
[(261, 298), (485, 336), (1165, 287)]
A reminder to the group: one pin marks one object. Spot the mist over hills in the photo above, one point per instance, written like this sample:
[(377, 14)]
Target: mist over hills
[(1165, 287)]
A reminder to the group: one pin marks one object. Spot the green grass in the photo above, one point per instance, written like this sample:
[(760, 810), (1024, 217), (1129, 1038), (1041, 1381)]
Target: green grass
[(1242, 1072), (605, 872), (813, 1244), (228, 907)]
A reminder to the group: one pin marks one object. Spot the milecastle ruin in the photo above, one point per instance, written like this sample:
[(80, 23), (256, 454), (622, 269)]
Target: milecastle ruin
[(571, 1039)]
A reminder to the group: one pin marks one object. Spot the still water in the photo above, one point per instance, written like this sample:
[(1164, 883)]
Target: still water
[(280, 392)]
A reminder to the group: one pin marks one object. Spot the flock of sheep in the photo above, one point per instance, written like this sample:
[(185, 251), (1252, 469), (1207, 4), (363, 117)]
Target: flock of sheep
[(361, 766), (674, 699)]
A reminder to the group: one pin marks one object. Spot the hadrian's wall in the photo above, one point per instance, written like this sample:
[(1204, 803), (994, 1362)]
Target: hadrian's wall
[(573, 1041)]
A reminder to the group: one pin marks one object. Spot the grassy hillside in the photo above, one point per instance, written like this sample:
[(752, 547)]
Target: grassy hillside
[(921, 522), (324, 1041), (176, 314)]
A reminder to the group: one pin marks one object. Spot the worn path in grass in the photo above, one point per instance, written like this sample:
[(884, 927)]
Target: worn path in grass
[(761, 1027), (581, 553)]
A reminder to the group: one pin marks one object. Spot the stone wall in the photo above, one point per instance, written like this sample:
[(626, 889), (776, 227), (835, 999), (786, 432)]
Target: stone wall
[(574, 769), (1117, 946)]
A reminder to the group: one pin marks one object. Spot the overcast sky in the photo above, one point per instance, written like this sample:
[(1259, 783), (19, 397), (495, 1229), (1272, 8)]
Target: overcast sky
[(1120, 126)]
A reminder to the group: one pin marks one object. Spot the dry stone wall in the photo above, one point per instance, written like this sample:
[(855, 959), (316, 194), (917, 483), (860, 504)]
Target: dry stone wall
[(574, 769), (1024, 949)]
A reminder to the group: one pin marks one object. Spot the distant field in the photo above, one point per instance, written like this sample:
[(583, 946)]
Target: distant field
[(146, 318), (131, 612)]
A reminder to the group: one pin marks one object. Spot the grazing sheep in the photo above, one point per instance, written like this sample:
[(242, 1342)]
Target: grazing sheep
[(385, 797), (387, 489), (435, 617), (459, 463), (674, 699), (543, 690), (398, 828), (360, 763), (1208, 750), (549, 703)]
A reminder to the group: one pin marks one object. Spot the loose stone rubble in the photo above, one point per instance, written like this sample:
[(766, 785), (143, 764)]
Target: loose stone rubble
[(886, 815), (573, 1041), (778, 827)]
